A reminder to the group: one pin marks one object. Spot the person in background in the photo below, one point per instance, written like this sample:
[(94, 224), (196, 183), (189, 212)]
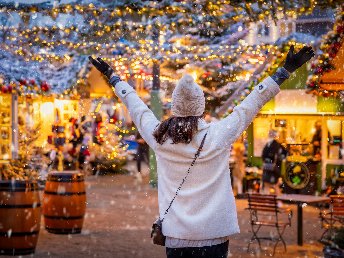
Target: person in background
[(84, 151), (142, 154), (273, 155), (98, 129), (316, 140), (74, 132), (203, 216), (238, 171)]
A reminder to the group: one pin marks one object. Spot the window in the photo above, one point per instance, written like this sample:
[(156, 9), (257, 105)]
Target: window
[(286, 28), (263, 30), (302, 136)]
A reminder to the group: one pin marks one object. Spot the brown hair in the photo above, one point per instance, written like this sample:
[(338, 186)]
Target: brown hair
[(179, 129)]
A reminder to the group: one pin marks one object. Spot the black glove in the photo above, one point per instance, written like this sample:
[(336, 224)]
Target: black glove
[(294, 61), (102, 66)]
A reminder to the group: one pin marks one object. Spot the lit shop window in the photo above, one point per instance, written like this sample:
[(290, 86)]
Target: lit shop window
[(5, 127), (286, 28)]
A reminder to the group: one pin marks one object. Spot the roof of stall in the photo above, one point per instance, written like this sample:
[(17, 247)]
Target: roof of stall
[(60, 76), (334, 80)]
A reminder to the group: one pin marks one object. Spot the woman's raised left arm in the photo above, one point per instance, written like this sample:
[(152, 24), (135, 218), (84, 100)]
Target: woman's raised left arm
[(142, 116)]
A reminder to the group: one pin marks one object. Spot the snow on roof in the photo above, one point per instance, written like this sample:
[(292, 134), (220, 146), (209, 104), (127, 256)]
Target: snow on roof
[(298, 37), (60, 77)]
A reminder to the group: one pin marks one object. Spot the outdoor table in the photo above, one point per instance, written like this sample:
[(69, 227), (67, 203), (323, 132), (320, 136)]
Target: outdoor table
[(300, 200)]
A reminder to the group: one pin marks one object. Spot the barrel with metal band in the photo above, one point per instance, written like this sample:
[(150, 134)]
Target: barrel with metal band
[(20, 217), (64, 202)]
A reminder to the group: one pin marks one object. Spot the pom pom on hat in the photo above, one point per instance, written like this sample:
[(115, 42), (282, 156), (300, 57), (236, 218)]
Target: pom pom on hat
[(187, 98)]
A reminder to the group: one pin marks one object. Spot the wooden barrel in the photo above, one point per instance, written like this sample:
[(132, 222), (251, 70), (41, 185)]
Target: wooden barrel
[(20, 217), (64, 202)]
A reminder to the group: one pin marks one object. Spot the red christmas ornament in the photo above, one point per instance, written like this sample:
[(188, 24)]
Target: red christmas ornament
[(206, 74), (32, 82), (23, 82), (332, 54), (9, 88), (87, 152), (340, 29), (44, 86), (312, 85), (4, 89), (337, 45)]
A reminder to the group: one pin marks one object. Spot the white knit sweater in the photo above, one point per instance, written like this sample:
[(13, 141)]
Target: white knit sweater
[(205, 206)]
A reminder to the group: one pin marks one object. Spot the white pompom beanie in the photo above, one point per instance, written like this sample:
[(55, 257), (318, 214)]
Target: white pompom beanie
[(187, 98)]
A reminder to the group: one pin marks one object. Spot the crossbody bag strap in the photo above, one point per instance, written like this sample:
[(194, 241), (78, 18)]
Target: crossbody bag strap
[(188, 172)]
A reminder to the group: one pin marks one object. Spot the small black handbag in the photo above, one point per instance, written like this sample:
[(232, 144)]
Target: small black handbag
[(156, 233)]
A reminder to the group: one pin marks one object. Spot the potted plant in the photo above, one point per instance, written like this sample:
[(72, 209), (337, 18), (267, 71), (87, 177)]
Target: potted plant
[(334, 243)]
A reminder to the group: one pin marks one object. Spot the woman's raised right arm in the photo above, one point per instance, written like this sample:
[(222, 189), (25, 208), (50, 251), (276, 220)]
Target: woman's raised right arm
[(231, 127)]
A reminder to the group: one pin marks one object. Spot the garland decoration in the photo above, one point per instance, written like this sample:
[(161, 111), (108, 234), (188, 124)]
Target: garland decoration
[(25, 87), (323, 64)]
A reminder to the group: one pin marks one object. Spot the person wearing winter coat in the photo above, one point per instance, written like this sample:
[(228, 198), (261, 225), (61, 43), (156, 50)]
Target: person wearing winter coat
[(273, 154), (238, 171), (203, 214), (142, 153)]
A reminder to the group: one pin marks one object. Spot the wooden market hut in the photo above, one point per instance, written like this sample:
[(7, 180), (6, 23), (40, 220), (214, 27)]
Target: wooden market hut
[(36, 95), (293, 114)]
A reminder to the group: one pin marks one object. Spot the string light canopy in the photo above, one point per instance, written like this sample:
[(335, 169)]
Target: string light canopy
[(253, 10), (40, 33), (56, 33), (134, 20)]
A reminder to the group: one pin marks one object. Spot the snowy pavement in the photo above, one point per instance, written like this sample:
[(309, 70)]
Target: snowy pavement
[(121, 209)]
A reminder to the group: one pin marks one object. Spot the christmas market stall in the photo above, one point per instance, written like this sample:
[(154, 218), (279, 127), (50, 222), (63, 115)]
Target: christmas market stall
[(308, 116), (71, 126), (37, 105), (326, 82)]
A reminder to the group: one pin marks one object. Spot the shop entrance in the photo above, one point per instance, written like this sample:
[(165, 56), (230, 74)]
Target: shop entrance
[(313, 142)]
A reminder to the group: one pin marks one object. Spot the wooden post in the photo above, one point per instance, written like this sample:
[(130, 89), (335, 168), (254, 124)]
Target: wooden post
[(14, 126), (156, 105)]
